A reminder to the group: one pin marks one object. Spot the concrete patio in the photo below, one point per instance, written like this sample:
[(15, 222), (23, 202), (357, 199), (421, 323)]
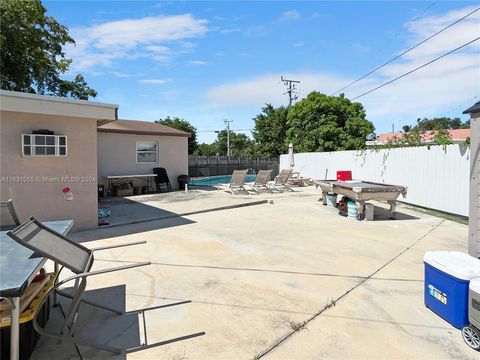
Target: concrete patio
[(259, 278)]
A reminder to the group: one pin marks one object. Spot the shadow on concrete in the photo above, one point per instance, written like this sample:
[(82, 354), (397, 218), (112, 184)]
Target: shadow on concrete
[(125, 211), (382, 214), (130, 228), (128, 332)]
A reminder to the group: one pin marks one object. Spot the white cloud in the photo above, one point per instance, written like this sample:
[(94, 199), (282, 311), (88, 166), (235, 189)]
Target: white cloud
[(158, 49), (317, 14), (103, 44), (154, 81), (125, 75), (229, 30), (430, 91), (197, 62), (268, 89), (298, 44), (289, 16)]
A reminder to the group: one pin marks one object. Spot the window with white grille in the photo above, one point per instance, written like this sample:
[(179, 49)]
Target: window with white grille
[(44, 145)]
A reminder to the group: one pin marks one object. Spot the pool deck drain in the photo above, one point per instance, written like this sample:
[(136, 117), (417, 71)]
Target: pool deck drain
[(175, 215)]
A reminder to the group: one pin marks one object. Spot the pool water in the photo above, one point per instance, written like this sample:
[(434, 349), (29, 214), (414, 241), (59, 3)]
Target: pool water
[(215, 180)]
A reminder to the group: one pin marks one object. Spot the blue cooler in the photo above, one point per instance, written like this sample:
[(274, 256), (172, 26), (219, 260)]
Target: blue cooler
[(447, 276)]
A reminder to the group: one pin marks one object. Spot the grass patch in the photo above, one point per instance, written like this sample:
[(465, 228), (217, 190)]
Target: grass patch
[(296, 326)]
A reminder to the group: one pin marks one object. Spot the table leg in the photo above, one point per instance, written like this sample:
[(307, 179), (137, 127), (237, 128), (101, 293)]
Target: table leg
[(15, 329), (55, 296), (360, 209), (393, 206), (324, 196)]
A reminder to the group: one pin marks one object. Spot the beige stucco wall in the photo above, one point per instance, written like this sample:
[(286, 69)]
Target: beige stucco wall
[(117, 155), (35, 183)]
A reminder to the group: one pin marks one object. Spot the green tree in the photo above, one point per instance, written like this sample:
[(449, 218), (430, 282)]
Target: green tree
[(31, 56), (442, 137), (327, 123), (442, 123), (183, 125), (207, 150), (240, 144), (407, 139), (407, 128), (270, 131)]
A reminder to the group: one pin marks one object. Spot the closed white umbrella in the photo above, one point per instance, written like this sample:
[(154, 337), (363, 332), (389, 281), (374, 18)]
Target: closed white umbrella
[(291, 159)]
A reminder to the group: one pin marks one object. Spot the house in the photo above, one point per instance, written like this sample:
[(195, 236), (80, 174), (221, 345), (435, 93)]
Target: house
[(53, 155), (474, 206), (458, 136), (136, 147)]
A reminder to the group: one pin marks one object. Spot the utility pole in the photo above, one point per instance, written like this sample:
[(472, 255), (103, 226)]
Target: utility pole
[(227, 124), (291, 90)]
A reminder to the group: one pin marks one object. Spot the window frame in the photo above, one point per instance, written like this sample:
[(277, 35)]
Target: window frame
[(33, 145), (156, 152)]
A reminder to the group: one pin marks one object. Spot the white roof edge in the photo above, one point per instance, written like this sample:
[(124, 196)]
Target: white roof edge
[(18, 94)]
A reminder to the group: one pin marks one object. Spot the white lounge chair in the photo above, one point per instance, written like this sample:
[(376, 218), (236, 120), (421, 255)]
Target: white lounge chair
[(236, 183), (261, 181), (281, 180)]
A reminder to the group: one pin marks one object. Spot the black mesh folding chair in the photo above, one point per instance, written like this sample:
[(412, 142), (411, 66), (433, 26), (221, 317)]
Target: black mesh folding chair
[(78, 259), (162, 179), (8, 215)]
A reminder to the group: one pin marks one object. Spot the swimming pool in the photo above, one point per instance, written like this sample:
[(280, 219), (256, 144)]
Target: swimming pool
[(215, 180)]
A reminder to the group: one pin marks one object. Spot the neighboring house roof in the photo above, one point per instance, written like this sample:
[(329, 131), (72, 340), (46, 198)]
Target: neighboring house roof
[(474, 108), (457, 134), (55, 105), (141, 128)]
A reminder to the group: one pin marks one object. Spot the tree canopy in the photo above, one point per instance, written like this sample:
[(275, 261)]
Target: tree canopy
[(327, 123), (240, 145), (441, 123), (207, 149), (270, 131), (31, 56), (183, 125)]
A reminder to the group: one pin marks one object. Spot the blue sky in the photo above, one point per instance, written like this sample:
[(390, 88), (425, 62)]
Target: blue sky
[(207, 61)]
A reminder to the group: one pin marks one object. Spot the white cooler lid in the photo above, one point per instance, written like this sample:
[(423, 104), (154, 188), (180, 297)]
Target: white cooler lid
[(455, 263), (475, 285)]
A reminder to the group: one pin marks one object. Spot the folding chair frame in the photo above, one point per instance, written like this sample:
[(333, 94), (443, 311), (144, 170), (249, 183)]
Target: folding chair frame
[(67, 330)]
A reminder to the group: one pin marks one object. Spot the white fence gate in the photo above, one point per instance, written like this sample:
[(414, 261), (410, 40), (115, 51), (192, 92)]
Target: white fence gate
[(437, 177)]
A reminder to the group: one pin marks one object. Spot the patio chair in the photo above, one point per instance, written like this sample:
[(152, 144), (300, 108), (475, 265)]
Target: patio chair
[(162, 179), (8, 215), (76, 258), (236, 183), (281, 181), (261, 181)]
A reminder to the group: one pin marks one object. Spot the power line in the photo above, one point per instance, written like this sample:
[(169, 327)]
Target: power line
[(406, 51), (460, 106), (417, 68), (388, 42), (212, 131)]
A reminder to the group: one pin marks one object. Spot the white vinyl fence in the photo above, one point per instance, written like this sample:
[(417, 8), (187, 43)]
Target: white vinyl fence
[(437, 177)]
